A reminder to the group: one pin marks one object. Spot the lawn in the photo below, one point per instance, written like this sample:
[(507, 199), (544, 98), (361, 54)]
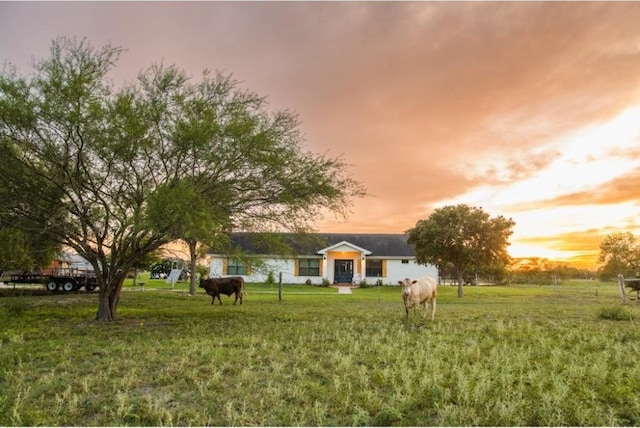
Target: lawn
[(519, 355)]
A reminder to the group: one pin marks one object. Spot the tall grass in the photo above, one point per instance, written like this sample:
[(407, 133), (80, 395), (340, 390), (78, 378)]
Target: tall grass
[(500, 356)]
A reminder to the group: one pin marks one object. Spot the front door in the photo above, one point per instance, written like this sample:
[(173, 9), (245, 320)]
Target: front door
[(343, 272)]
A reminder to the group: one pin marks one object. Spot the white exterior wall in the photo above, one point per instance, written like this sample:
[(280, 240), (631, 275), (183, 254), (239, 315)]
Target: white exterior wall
[(215, 268), (286, 266), (260, 274), (396, 271)]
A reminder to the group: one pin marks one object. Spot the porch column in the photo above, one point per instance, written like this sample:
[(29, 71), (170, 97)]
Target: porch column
[(325, 271)]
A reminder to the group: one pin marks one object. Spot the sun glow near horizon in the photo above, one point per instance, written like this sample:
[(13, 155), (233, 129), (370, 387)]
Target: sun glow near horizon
[(541, 204), (523, 251)]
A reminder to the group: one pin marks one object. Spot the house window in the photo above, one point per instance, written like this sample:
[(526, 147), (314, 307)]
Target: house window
[(309, 267), (236, 267), (374, 268), (405, 261)]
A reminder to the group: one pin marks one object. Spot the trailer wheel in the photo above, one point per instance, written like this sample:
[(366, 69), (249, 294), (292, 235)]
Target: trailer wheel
[(52, 286), (68, 286), (90, 287)]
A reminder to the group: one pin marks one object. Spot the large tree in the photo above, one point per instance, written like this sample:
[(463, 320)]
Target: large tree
[(619, 254), (193, 214), (466, 238), (110, 164)]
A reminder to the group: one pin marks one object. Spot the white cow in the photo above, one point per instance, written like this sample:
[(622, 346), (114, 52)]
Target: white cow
[(419, 292)]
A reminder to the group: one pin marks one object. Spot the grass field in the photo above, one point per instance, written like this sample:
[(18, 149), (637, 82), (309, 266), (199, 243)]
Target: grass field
[(519, 355)]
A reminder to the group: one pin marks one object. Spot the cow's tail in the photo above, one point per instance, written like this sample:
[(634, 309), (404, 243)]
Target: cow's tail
[(243, 291)]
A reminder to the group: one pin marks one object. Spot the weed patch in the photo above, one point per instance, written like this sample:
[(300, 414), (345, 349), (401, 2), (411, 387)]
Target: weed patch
[(615, 313)]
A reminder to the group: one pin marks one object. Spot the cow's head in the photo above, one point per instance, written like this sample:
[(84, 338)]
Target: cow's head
[(406, 286)]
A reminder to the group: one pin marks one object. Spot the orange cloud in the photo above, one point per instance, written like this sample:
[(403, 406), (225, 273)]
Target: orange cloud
[(619, 190)]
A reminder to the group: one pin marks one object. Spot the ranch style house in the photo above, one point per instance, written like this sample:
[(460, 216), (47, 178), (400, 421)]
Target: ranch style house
[(334, 258)]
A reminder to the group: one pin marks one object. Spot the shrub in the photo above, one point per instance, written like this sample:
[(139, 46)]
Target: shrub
[(388, 416), (271, 279), (615, 313), (202, 271)]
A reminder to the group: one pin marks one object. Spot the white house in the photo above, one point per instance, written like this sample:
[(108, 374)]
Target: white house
[(321, 257)]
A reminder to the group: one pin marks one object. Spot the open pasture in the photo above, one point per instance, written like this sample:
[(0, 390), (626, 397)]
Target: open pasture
[(519, 355)]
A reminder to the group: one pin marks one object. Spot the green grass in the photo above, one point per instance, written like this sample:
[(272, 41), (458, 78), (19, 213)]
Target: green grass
[(520, 355)]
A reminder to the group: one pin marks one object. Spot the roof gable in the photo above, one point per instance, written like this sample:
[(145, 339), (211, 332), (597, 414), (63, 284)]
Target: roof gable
[(343, 245)]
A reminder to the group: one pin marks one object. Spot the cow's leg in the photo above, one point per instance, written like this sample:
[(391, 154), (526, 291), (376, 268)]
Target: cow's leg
[(219, 299), (213, 299), (234, 302), (433, 309)]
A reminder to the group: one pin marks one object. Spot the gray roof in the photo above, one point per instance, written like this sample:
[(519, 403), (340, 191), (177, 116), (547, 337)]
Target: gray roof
[(380, 244)]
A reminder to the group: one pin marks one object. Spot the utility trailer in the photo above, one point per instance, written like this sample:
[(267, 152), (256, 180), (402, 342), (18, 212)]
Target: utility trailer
[(67, 280)]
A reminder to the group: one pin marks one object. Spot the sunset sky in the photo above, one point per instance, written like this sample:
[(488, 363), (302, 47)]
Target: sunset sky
[(529, 110)]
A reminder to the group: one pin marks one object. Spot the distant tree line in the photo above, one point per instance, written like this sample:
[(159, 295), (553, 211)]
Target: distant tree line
[(534, 270), (542, 271)]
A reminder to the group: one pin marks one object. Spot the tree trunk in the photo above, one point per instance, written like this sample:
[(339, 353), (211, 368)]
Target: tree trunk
[(193, 246), (460, 284), (621, 285), (108, 301)]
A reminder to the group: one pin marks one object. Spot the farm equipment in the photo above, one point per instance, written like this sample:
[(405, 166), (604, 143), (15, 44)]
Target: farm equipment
[(67, 280)]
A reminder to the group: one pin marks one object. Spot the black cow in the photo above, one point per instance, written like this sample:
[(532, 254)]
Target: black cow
[(217, 286)]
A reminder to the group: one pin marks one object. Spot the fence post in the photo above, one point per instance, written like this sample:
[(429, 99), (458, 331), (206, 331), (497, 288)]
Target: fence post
[(280, 288), (477, 285), (621, 284)]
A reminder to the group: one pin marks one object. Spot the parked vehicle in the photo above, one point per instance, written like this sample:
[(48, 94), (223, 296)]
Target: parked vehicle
[(157, 275), (160, 270), (67, 280)]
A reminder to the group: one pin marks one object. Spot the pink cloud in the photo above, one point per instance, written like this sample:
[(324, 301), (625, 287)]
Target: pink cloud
[(413, 94)]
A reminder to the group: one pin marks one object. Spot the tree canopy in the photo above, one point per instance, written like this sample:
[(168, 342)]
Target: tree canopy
[(115, 173), (22, 249), (466, 238), (25, 242), (619, 254)]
